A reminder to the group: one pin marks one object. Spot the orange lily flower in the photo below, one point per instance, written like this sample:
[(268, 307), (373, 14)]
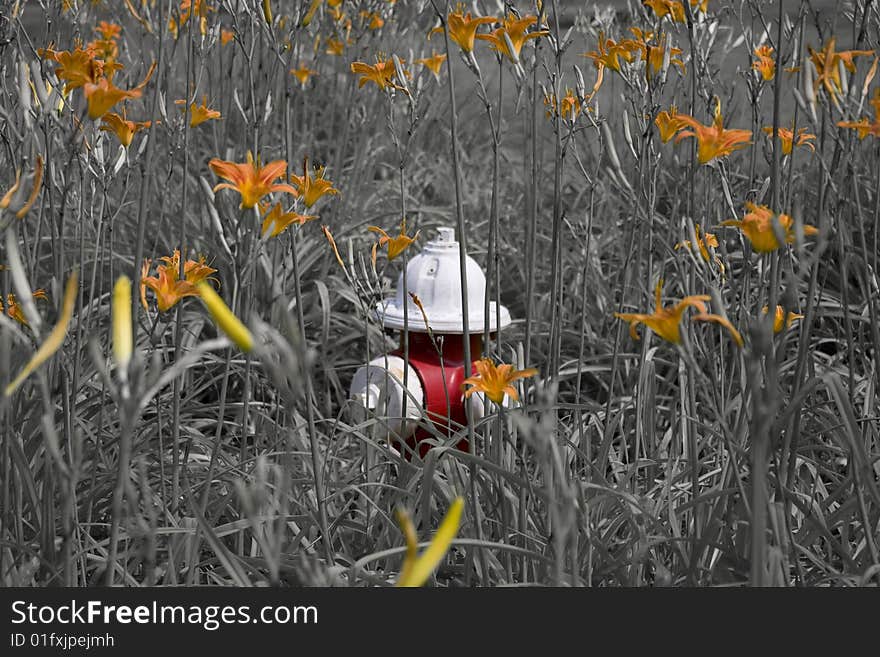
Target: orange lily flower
[(375, 20), (103, 94), (226, 36), (495, 381), (765, 64), (201, 10), (788, 140), (198, 114), (668, 122), (514, 29), (107, 50), (671, 8), (15, 199), (827, 62), (335, 46), (780, 322), (382, 73), (609, 53), (433, 63), (703, 242), (108, 31), (757, 226), (276, 220), (714, 140), (123, 129), (14, 311), (76, 67), (863, 126), (167, 286), (303, 73), (309, 189), (463, 27), (569, 108), (396, 245), (653, 51), (665, 322), (250, 179)]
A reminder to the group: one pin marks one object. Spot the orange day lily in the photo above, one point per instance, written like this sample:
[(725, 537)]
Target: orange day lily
[(396, 245), (201, 10), (513, 34), (167, 286), (653, 50), (569, 108), (382, 73), (495, 381), (198, 114), (123, 129), (276, 220), (764, 64), (609, 53), (433, 63), (668, 122), (103, 94), (757, 226), (303, 73), (108, 31), (463, 27), (664, 321), (704, 241), (781, 322), (674, 8), (309, 189), (76, 67), (374, 20), (250, 179), (786, 136), (864, 126), (335, 46), (14, 311), (671, 8), (714, 140), (107, 50), (827, 62)]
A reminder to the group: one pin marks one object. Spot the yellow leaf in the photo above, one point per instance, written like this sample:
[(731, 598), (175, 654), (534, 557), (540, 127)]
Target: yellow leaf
[(415, 571), (53, 341)]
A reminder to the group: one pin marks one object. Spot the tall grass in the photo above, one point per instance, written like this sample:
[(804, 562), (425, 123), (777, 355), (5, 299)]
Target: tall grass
[(625, 463)]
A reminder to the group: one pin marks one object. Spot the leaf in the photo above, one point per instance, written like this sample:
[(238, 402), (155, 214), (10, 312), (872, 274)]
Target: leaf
[(416, 571), (54, 340)]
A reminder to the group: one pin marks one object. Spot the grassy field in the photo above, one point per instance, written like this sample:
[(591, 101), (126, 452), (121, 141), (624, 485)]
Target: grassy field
[(187, 420)]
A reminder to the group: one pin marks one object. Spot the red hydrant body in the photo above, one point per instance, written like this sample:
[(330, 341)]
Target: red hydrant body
[(442, 381)]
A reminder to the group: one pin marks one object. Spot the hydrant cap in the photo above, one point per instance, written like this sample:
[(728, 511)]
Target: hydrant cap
[(434, 276)]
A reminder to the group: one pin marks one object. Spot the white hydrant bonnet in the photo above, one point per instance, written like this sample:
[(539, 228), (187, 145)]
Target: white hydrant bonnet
[(434, 275)]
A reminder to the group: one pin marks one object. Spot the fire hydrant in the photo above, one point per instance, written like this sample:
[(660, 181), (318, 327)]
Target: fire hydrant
[(429, 387)]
